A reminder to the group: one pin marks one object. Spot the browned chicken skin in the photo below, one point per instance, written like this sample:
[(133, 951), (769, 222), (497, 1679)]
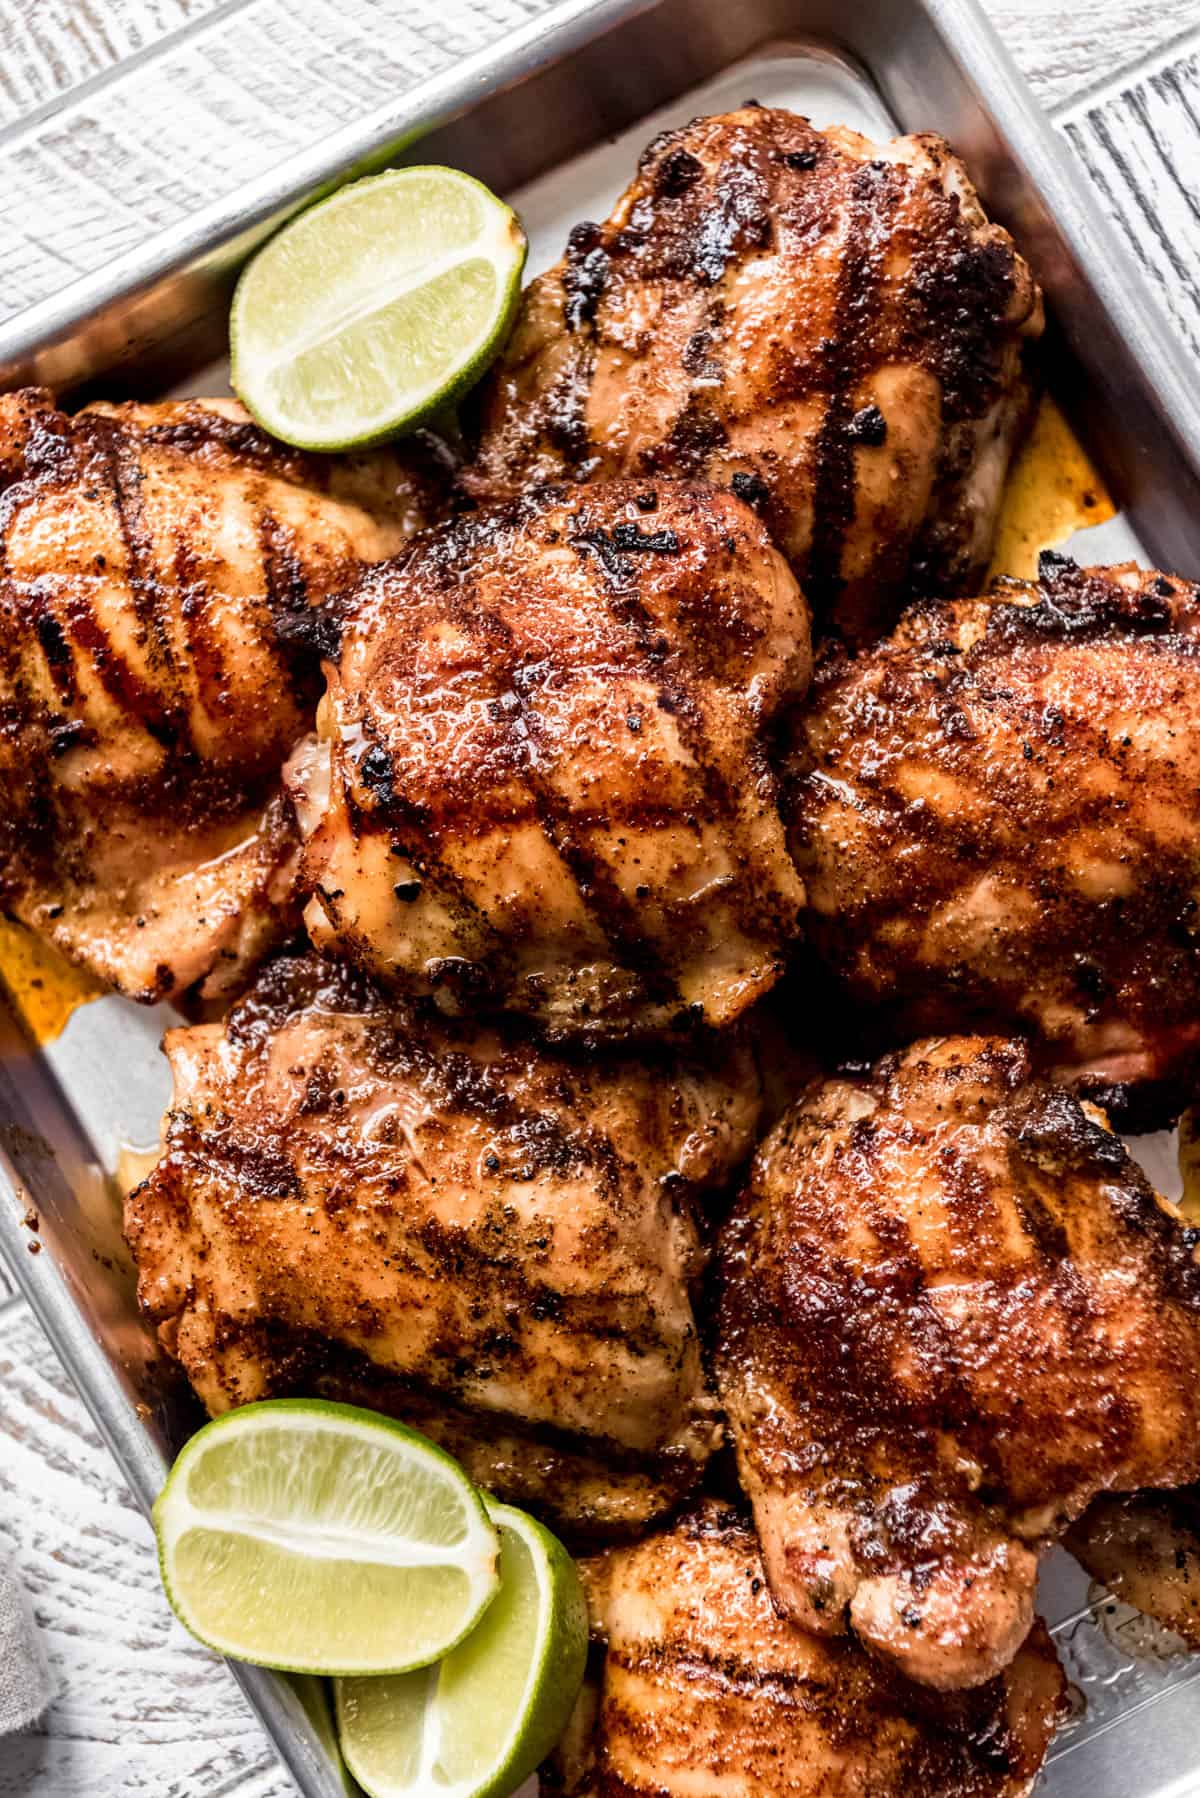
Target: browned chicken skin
[(706, 1690), (542, 780), (829, 326), (155, 565), (490, 1240), (1145, 1547), (951, 1311), (997, 822)]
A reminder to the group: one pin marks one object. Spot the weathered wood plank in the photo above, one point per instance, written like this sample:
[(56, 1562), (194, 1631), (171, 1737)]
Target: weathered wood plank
[(142, 1708), (1065, 49), (1139, 141)]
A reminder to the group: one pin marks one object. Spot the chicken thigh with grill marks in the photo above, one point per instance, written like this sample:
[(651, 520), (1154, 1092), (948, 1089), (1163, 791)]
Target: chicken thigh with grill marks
[(829, 326), (1145, 1547), (541, 778), (157, 564), (491, 1241), (996, 819), (951, 1312), (706, 1688)]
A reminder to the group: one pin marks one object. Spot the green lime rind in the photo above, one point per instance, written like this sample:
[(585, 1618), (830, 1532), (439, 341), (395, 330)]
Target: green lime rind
[(316, 1698), (479, 1724), (375, 308), (320, 1538)]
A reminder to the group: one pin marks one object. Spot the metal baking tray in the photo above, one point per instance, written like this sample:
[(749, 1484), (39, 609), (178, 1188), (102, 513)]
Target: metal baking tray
[(554, 120)]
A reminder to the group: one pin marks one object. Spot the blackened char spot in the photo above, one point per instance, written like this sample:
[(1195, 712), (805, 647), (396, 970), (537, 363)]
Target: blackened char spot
[(54, 645), (738, 219), (1076, 602), (750, 488), (585, 274), (677, 171), (612, 548), (376, 772), (868, 426)]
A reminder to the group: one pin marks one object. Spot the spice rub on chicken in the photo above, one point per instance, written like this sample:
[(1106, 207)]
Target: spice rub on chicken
[(829, 326), (157, 564), (489, 1240), (951, 1312), (707, 1688), (541, 781), (997, 821)]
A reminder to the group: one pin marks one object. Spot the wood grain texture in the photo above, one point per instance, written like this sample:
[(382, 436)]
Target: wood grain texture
[(143, 1712), (142, 1708), (1065, 49), (1139, 140)]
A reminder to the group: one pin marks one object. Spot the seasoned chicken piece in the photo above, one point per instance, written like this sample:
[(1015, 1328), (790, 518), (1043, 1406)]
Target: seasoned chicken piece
[(1145, 1547), (707, 1689), (951, 1311), (541, 779), (493, 1242), (829, 326), (157, 564), (998, 827)]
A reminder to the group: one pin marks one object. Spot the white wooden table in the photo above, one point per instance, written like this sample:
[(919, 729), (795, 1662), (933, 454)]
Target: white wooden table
[(142, 1709)]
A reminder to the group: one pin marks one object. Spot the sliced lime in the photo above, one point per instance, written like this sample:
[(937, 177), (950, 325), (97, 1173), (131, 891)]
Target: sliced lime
[(375, 307), (478, 1724), (323, 1539), (316, 1696)]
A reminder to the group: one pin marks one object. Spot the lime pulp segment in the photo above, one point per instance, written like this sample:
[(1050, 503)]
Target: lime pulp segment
[(323, 1539)]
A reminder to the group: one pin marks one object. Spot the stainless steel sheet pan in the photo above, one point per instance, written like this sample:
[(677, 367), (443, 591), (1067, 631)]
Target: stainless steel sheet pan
[(554, 121)]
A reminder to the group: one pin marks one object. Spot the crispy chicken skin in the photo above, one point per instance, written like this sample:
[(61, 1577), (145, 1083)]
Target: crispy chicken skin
[(706, 1689), (541, 781), (492, 1241), (829, 326), (156, 563), (951, 1311), (996, 818), (1145, 1547)]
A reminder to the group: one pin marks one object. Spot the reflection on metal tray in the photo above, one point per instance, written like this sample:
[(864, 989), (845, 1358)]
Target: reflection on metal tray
[(556, 125)]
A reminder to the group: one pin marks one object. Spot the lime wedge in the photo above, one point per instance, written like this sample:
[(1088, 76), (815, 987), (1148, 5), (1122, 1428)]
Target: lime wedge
[(316, 1696), (323, 1539), (375, 307), (478, 1724)]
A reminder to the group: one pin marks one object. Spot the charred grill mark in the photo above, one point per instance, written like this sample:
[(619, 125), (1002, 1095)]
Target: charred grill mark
[(613, 547), (675, 697), (585, 275), (203, 631), (845, 358), (168, 718), (613, 914), (737, 219), (296, 626)]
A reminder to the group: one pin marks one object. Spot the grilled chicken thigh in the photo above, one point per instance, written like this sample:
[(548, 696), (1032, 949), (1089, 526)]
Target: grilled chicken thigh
[(541, 778), (997, 822), (829, 326), (156, 567), (1145, 1547), (707, 1689), (951, 1311), (489, 1240)]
